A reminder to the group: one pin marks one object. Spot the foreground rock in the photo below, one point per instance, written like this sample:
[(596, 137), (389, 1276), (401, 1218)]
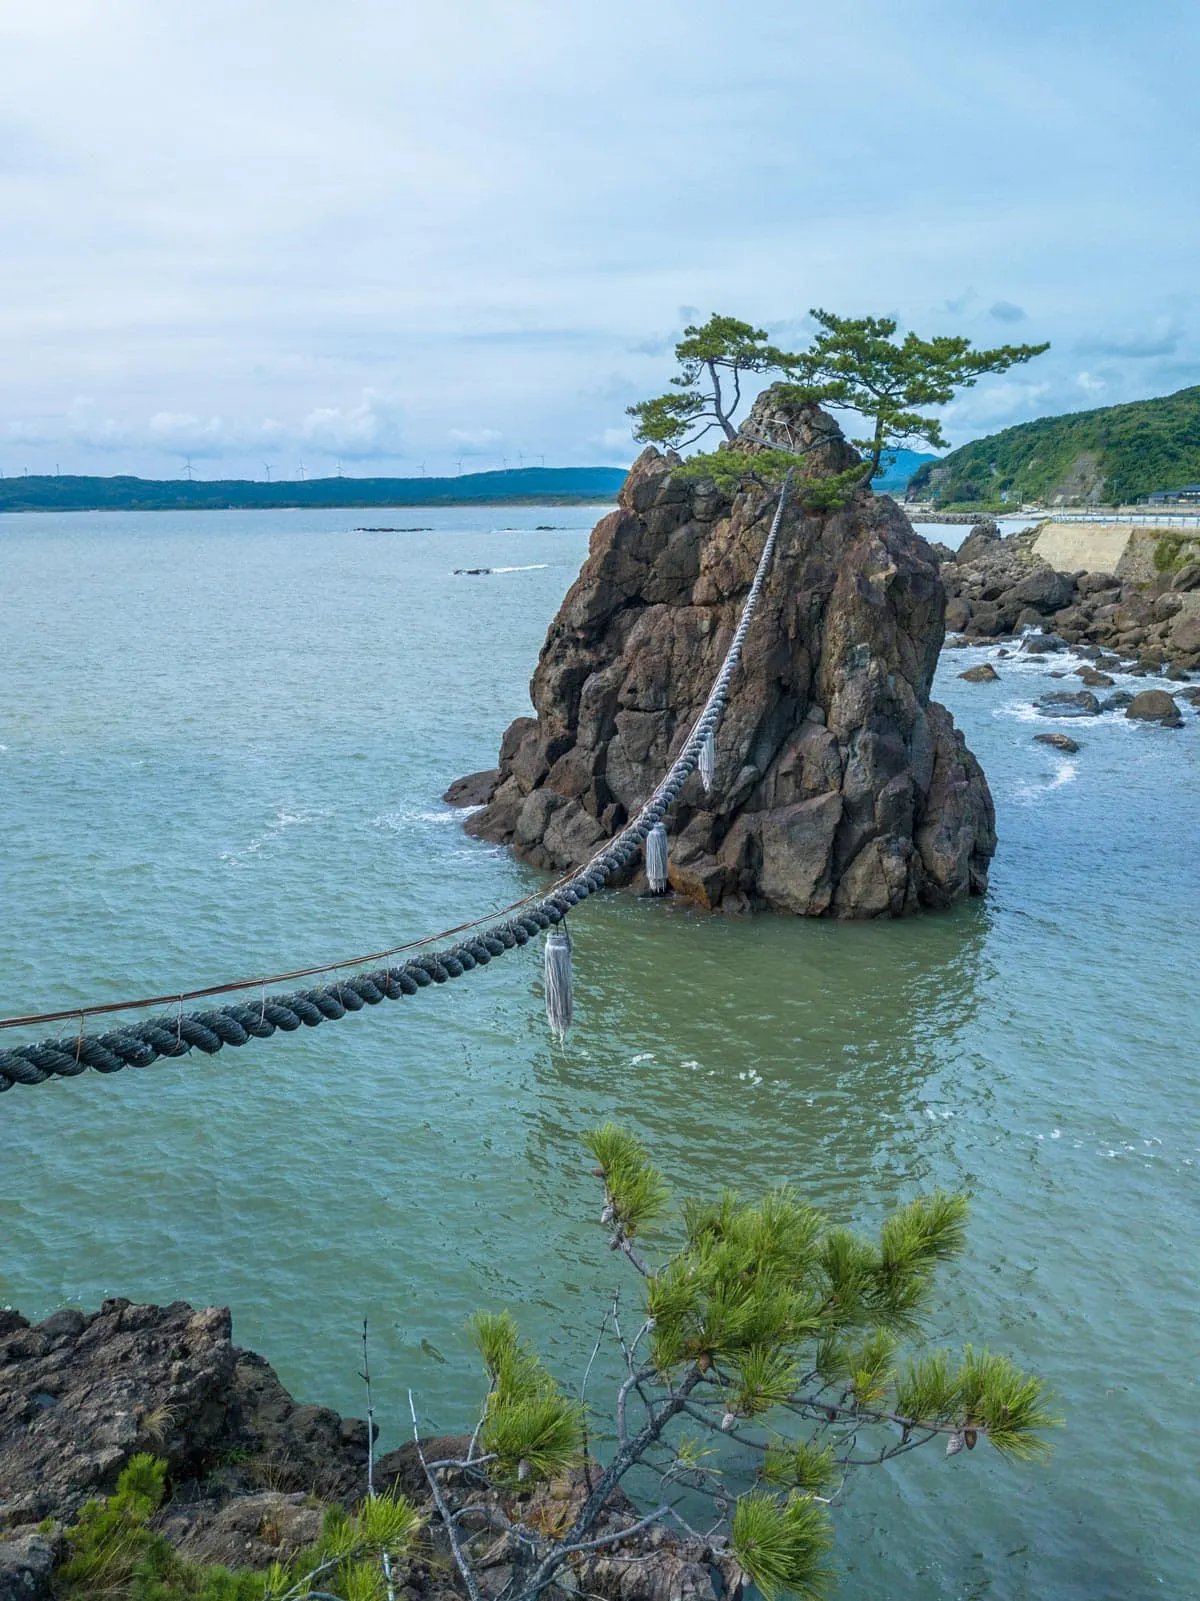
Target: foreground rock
[(841, 788), (251, 1471), (80, 1395)]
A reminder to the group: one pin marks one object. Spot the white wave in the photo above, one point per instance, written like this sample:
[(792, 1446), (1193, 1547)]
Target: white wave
[(399, 822), (283, 820), (1066, 773), (534, 567)]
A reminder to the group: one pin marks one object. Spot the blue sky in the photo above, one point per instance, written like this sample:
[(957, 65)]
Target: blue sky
[(275, 231)]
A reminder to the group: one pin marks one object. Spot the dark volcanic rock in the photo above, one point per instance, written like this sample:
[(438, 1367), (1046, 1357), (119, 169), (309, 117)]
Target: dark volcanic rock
[(27, 1565), (476, 789), (81, 1395), (1155, 706), (840, 787)]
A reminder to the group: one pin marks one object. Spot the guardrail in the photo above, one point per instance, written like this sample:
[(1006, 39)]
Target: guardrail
[(1139, 519)]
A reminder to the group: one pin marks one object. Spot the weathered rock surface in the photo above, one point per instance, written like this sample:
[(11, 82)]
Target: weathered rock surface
[(1061, 703), (841, 789), (981, 673), (27, 1566), (250, 1471), (476, 789), (1058, 741), (81, 1395), (1155, 706), (1000, 586)]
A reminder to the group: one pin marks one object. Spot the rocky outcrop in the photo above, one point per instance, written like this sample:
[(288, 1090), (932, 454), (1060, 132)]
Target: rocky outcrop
[(1000, 586), (80, 1395), (251, 1471), (841, 789)]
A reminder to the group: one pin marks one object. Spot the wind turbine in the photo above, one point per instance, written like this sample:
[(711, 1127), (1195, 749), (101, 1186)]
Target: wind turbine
[(340, 473), (301, 472), (267, 465), (422, 469), (541, 461), (504, 459), (188, 469), (458, 463)]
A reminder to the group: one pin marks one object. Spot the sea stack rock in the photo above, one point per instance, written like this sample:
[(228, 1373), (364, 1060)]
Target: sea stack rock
[(841, 789)]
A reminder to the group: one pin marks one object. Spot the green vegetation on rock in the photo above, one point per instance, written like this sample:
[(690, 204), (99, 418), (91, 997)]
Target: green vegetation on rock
[(1111, 457), (116, 1554)]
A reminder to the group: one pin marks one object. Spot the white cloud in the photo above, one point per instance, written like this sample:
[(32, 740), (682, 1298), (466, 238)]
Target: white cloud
[(345, 234)]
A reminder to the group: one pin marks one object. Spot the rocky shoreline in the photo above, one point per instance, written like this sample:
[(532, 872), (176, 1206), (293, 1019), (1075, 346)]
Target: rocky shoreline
[(250, 1471), (1001, 593)]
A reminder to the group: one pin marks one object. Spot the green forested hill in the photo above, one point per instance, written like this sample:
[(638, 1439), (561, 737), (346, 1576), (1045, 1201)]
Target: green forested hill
[(534, 485), (1110, 456)]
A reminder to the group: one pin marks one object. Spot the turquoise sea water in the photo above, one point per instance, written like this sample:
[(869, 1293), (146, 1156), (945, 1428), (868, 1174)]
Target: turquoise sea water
[(224, 741)]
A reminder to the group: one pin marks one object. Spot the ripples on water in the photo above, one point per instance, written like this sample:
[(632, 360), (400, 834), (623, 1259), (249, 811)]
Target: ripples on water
[(223, 742)]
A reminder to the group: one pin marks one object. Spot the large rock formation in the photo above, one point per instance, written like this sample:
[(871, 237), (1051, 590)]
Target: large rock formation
[(840, 787)]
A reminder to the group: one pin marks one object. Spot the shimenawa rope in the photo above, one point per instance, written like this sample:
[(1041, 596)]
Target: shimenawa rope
[(177, 1033)]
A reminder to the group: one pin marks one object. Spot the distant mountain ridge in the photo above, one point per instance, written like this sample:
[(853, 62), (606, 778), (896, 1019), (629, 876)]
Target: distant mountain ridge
[(533, 485), (1111, 456), (899, 466)]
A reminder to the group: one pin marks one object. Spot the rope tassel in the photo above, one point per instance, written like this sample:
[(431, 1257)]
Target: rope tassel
[(560, 1004), (656, 859), (707, 763)]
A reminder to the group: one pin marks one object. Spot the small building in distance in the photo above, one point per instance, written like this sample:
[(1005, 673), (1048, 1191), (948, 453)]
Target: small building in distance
[(1187, 495)]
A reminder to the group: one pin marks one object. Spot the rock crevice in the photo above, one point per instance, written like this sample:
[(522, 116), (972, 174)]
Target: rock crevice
[(841, 788)]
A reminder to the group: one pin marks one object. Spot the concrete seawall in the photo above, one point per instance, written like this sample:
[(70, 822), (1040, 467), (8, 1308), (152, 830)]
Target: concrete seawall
[(1129, 550)]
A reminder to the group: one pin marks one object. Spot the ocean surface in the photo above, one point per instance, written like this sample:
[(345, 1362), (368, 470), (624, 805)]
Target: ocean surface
[(224, 738)]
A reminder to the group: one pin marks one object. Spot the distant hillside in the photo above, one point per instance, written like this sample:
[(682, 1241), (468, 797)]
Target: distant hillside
[(533, 485), (1108, 457), (899, 467)]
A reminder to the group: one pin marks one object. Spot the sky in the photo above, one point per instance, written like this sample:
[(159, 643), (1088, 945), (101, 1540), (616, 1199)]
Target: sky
[(284, 234)]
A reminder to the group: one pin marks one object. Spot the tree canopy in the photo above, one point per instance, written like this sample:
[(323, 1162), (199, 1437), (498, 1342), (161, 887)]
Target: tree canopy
[(853, 363), (769, 1363), (711, 360)]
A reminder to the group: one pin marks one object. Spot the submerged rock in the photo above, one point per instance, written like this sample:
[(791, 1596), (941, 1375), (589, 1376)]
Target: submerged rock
[(840, 789), (1061, 703), (1059, 741)]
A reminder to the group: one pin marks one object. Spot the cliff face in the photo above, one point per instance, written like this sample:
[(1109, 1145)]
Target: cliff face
[(840, 787)]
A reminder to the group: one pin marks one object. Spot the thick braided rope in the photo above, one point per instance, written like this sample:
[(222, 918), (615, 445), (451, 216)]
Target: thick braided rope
[(177, 1034)]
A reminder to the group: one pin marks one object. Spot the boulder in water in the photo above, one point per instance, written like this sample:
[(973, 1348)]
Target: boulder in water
[(1061, 703), (1155, 706), (981, 673)]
